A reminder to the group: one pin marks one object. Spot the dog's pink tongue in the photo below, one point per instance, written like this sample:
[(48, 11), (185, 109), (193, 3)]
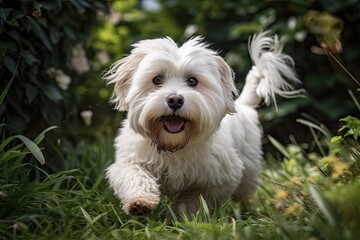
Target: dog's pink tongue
[(174, 124)]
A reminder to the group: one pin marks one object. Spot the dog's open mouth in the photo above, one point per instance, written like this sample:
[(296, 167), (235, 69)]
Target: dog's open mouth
[(174, 124)]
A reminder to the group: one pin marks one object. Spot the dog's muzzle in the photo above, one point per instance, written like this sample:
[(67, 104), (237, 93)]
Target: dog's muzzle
[(174, 124)]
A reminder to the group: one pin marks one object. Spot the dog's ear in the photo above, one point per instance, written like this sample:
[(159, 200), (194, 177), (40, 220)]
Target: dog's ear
[(228, 84), (121, 73)]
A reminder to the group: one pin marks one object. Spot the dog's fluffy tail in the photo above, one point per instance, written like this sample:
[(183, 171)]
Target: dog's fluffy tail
[(272, 74)]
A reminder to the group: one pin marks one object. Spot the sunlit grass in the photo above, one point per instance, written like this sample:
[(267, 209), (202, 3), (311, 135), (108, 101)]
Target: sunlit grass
[(303, 195)]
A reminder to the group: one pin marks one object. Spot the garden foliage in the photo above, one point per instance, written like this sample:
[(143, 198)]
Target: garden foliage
[(53, 42)]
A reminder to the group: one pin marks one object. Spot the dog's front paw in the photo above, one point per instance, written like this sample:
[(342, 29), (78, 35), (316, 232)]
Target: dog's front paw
[(140, 206)]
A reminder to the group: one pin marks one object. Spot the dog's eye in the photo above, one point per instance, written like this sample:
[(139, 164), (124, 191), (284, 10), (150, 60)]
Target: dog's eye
[(192, 82), (157, 80)]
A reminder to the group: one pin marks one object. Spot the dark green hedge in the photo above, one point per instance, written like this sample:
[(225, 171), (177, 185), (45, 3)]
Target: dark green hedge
[(53, 42)]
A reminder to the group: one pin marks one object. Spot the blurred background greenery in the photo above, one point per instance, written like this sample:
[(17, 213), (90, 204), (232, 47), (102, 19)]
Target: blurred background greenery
[(63, 47)]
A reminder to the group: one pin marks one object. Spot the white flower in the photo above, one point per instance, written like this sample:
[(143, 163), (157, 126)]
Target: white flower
[(51, 71), (292, 23), (62, 79), (114, 16), (300, 36), (79, 60), (103, 57), (86, 116), (190, 30)]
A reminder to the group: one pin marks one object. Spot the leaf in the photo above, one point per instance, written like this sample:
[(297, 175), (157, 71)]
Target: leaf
[(353, 124), (80, 3), (54, 35), (10, 64), (356, 102), (336, 139), (31, 93), (2, 13), (29, 57), (279, 147), (284, 108), (40, 33), (244, 29), (41, 136), (173, 215), (52, 117), (6, 142), (325, 26), (70, 33), (8, 155), (52, 93), (314, 126), (323, 206), (34, 149), (13, 100), (86, 215), (205, 207), (15, 14), (3, 94)]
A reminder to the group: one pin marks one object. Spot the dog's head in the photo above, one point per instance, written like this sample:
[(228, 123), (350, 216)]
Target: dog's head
[(174, 95)]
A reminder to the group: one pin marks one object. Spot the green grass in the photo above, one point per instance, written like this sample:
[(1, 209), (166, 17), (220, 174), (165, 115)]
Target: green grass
[(303, 195)]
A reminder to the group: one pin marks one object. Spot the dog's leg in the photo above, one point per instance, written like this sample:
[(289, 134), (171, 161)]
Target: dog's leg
[(137, 189)]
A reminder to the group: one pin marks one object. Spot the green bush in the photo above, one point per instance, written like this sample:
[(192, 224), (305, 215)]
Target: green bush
[(53, 42)]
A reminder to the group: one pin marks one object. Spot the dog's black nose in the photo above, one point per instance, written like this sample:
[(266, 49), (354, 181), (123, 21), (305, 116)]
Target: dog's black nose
[(175, 101)]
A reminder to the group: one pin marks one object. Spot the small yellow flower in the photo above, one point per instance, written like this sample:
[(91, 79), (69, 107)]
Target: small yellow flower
[(312, 238), (280, 206), (330, 159), (293, 209), (339, 169), (281, 194), (295, 180)]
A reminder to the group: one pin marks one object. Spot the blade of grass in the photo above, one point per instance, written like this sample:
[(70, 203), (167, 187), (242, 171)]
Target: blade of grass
[(316, 139), (279, 147), (41, 136), (205, 207), (340, 64), (354, 99), (312, 125), (322, 204), (6, 142), (173, 215), (3, 94), (34, 149)]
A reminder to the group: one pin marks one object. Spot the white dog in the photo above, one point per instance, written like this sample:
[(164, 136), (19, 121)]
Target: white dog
[(185, 135)]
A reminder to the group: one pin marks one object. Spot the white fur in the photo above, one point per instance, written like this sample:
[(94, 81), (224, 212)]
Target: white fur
[(218, 154)]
